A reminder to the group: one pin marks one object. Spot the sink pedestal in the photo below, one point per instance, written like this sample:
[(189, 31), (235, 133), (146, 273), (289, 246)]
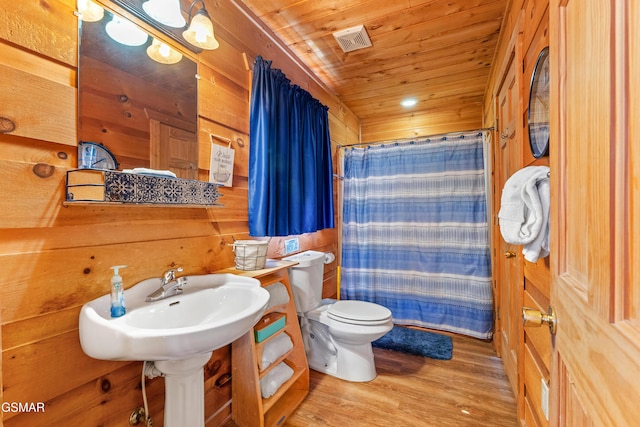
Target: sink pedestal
[(184, 390)]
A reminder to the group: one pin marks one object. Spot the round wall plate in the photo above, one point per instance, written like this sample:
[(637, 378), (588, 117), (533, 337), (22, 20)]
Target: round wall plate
[(92, 155), (539, 106)]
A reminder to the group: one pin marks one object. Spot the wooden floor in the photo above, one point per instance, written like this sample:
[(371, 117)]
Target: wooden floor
[(469, 390)]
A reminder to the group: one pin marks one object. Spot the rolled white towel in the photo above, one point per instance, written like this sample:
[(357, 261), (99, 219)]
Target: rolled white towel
[(521, 210), (275, 348), (278, 294), (539, 247), (271, 382)]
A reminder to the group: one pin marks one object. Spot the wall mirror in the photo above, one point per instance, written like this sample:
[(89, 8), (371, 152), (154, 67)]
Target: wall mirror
[(539, 106), (143, 110)]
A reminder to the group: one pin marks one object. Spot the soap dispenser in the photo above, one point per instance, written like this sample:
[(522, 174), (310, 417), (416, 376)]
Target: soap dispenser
[(117, 293)]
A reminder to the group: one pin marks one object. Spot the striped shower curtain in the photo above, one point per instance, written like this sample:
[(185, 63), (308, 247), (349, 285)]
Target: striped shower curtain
[(415, 232)]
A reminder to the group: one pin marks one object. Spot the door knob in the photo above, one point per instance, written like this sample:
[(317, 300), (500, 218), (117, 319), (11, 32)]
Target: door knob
[(533, 317), (509, 254)]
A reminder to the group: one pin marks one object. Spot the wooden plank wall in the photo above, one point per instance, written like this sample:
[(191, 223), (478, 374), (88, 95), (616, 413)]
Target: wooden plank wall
[(56, 258), (448, 119)]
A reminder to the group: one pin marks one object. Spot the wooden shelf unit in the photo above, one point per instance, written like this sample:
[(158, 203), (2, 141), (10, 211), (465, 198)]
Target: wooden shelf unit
[(248, 407)]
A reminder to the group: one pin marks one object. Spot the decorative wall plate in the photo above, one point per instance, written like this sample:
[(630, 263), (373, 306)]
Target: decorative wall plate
[(92, 155), (539, 106)]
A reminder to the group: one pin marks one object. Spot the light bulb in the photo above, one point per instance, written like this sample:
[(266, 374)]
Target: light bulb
[(164, 50), (125, 32), (90, 11), (200, 31), (201, 35), (163, 53), (166, 12)]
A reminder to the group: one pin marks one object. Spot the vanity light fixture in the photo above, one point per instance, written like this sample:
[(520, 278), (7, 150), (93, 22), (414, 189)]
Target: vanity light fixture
[(200, 31), (163, 53), (166, 12), (125, 32), (90, 11), (166, 17)]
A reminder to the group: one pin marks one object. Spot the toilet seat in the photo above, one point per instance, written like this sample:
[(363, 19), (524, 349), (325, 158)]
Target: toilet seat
[(359, 312)]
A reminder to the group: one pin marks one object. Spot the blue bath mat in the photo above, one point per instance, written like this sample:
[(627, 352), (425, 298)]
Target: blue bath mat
[(416, 342)]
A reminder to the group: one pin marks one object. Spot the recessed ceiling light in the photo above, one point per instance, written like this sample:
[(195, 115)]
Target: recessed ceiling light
[(409, 102)]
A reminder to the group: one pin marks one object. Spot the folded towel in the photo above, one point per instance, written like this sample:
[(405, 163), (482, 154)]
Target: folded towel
[(522, 212), (152, 172)]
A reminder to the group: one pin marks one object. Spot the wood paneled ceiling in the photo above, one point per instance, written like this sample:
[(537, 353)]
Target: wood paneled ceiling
[(436, 51)]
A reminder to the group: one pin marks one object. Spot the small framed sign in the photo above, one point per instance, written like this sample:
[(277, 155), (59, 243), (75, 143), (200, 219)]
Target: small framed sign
[(221, 165)]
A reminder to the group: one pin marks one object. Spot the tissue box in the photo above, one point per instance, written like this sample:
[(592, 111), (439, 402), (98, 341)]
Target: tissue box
[(269, 325)]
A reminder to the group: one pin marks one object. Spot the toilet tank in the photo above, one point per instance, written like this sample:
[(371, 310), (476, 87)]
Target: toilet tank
[(306, 279)]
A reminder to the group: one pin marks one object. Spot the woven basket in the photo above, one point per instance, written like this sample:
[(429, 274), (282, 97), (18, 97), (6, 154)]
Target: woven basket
[(250, 254)]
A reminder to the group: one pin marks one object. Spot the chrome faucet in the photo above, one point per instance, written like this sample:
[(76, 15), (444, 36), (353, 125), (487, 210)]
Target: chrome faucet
[(169, 286)]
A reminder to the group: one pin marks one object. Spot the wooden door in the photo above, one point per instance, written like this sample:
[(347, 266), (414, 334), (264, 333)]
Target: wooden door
[(173, 149), (595, 212), (536, 349), (508, 264)]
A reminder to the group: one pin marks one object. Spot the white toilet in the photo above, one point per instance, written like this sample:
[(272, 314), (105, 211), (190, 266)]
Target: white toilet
[(337, 335)]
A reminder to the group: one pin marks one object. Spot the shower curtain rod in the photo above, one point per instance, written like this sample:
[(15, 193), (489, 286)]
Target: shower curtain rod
[(417, 137)]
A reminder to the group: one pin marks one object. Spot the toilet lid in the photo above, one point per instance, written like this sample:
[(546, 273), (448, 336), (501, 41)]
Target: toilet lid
[(360, 312)]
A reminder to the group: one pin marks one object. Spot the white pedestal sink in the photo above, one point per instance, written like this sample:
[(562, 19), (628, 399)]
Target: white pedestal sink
[(177, 333)]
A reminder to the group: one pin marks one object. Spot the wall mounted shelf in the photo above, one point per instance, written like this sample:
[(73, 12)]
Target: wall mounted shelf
[(91, 186)]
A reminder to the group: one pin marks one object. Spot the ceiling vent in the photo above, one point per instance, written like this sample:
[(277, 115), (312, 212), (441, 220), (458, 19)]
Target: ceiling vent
[(353, 38)]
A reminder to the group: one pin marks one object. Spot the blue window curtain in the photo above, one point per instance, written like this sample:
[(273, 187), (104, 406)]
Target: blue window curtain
[(290, 167)]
